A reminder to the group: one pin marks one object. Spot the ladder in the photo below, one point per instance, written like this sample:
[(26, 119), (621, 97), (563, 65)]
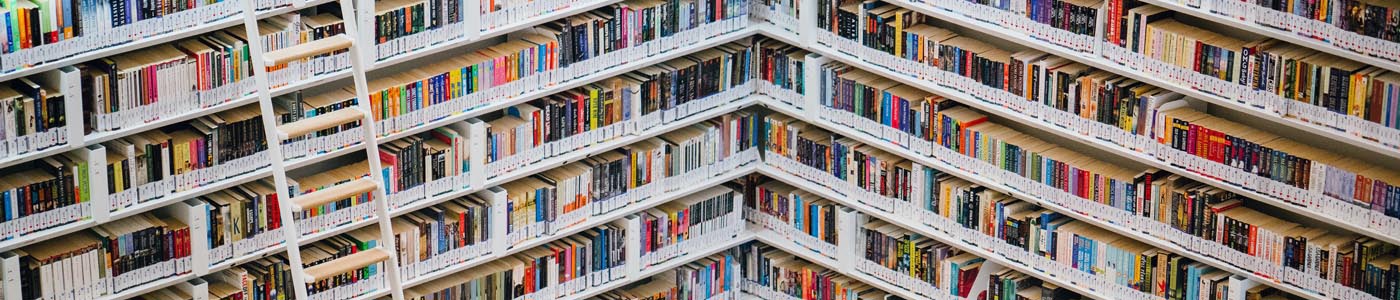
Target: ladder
[(384, 248)]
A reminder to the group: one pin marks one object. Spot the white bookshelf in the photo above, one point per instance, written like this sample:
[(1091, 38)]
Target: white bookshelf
[(805, 109)]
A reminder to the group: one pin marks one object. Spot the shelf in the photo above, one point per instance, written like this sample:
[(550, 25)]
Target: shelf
[(308, 49), (138, 208), (925, 230), (321, 122), (346, 264), (676, 262), (487, 34), (33, 155), (1118, 150), (1000, 187), (578, 155), (591, 222), (1290, 37), (223, 23), (1371, 147), (99, 137), (787, 246), (629, 66)]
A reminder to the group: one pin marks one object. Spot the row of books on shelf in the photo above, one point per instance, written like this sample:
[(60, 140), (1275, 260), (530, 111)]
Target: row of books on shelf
[(402, 26), (800, 216), (34, 111), (47, 193), (109, 258), (626, 105), (676, 228), (115, 95), (550, 54), (45, 31), (178, 158), (780, 13), (454, 232), (134, 88), (958, 217), (1267, 75), (156, 163), (1365, 27), (1127, 198), (1134, 114), (1144, 118), (563, 197)]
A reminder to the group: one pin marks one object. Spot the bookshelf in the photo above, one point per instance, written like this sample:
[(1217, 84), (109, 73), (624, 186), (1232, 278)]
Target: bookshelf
[(326, 129)]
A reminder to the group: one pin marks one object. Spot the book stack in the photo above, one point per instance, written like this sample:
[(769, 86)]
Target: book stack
[(841, 17), (33, 113), (355, 282), (45, 31), (104, 260), (915, 262), (677, 228), (561, 268), (46, 193), (186, 156), (407, 100), (770, 273), (806, 219), (135, 88), (335, 213), (527, 133), (778, 68), (426, 164), (443, 235), (243, 220), (401, 26)]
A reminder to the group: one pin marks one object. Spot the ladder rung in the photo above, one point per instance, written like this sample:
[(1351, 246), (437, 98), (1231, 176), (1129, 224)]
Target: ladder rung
[(323, 121), (335, 193), (345, 264), (309, 49)]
